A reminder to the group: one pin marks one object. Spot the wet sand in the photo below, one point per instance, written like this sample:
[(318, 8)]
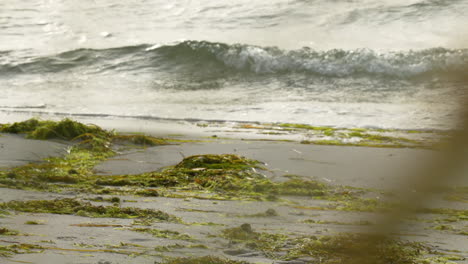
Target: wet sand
[(15, 150), (363, 167), (75, 239)]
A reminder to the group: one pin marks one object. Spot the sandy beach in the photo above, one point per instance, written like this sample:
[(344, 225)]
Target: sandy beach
[(233, 132), (370, 173)]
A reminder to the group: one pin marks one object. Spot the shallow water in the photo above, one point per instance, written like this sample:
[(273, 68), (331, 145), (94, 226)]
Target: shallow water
[(388, 64)]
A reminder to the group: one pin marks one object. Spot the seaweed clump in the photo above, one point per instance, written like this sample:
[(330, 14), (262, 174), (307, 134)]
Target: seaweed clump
[(225, 172), (222, 162), (338, 249), (92, 136), (140, 140), (69, 206), (164, 233), (266, 242), (8, 232), (7, 251), (66, 129), (75, 168), (360, 249)]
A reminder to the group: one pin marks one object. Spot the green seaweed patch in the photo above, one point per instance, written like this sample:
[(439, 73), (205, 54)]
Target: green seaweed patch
[(359, 204), (8, 251), (454, 215), (227, 172), (201, 260), (8, 232), (114, 199), (372, 144), (54, 174), (224, 162), (359, 248), (90, 136), (69, 206), (169, 234), (307, 127), (66, 129), (337, 249), (457, 194), (325, 222), (272, 243), (141, 140), (3, 213), (33, 222), (295, 187)]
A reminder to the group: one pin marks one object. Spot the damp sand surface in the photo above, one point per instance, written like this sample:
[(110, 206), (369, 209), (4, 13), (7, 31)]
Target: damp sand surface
[(79, 239)]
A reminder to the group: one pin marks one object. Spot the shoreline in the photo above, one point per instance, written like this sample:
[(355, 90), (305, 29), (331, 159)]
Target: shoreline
[(243, 130)]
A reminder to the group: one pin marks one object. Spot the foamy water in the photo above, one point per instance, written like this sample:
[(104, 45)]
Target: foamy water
[(386, 64)]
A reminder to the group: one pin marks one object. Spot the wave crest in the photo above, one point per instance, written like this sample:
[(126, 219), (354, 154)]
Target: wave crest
[(207, 57)]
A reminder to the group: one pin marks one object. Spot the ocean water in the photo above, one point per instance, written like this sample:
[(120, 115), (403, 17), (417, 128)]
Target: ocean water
[(344, 63)]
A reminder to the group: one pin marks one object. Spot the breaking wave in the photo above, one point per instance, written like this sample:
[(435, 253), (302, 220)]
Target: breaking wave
[(206, 57)]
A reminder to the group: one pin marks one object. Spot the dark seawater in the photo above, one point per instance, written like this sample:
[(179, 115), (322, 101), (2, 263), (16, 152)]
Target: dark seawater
[(387, 64)]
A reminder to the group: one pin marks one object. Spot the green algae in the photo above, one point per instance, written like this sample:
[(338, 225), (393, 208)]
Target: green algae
[(21, 127), (114, 200), (140, 140), (8, 232), (69, 206), (341, 248), (66, 129), (454, 215), (3, 213), (359, 204), (359, 248), (201, 260), (457, 194), (8, 251), (32, 222), (169, 234), (91, 136), (228, 176), (349, 137), (55, 173), (212, 172), (75, 170), (372, 144), (255, 240), (224, 162), (308, 127)]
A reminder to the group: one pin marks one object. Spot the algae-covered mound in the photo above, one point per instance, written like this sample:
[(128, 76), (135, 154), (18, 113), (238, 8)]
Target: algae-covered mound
[(66, 129), (91, 136), (142, 140), (224, 161), (202, 260), (226, 172), (74, 207)]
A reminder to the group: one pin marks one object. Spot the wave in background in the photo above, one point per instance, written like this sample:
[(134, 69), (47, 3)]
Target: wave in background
[(369, 63), (201, 57)]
